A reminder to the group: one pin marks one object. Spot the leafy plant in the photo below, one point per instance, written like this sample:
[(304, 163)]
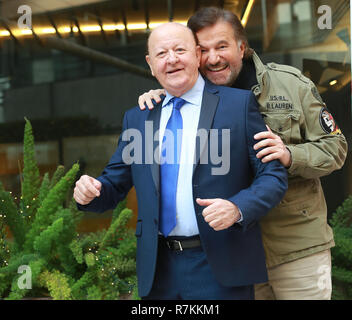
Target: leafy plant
[(43, 223), (341, 223)]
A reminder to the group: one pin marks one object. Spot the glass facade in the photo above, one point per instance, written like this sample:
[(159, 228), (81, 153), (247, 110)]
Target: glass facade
[(313, 36), (65, 77)]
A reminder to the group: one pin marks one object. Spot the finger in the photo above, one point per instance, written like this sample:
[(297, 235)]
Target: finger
[(94, 186), (158, 93), (85, 196), (264, 135), (210, 207), (87, 188), (156, 97), (265, 143), (145, 101), (210, 216), (205, 202), (149, 103), (215, 224), (141, 102), (266, 151), (97, 184), (80, 198), (211, 210), (220, 227), (270, 157), (268, 128), (84, 191)]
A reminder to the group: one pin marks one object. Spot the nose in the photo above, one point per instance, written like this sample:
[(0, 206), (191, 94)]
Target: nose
[(172, 57), (213, 57)]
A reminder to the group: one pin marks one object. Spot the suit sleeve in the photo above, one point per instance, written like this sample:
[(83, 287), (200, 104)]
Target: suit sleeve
[(270, 179), (116, 180)]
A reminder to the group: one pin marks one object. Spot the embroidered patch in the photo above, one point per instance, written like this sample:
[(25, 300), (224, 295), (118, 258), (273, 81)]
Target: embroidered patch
[(328, 123), (278, 102)]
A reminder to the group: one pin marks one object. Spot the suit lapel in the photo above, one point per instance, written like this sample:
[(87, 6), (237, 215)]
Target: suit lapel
[(207, 112), (152, 144), (209, 105)]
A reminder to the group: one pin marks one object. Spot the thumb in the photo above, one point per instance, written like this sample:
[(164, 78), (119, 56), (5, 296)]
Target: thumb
[(205, 202), (268, 128)]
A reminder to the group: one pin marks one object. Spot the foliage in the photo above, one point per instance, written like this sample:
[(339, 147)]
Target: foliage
[(110, 259), (341, 223), (43, 223)]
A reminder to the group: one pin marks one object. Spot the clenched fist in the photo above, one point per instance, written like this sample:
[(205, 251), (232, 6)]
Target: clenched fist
[(87, 188), (220, 214)]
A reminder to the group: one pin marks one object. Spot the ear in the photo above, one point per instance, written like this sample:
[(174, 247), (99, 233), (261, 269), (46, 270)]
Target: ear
[(241, 48), (147, 58), (198, 54)]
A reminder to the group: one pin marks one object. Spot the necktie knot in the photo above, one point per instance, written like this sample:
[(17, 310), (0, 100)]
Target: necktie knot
[(178, 102)]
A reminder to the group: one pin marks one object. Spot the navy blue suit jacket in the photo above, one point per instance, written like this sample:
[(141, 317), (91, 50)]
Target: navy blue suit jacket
[(236, 254)]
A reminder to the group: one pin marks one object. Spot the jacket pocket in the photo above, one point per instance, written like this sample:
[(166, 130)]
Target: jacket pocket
[(138, 228), (284, 124), (302, 191)]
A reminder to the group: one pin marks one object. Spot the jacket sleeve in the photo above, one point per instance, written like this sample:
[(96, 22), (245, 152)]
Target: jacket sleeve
[(324, 148), (116, 179), (270, 179)]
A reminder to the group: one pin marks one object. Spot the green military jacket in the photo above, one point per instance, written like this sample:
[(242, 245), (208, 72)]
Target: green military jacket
[(294, 110)]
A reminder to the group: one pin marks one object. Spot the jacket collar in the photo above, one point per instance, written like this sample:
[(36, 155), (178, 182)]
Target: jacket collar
[(260, 73)]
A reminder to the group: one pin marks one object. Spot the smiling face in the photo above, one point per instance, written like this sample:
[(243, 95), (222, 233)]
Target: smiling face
[(174, 58), (221, 60)]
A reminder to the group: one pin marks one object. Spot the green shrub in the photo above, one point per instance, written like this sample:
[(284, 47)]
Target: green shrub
[(64, 265), (341, 223)]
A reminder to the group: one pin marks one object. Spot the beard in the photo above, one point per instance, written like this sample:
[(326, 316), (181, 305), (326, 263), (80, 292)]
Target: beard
[(225, 79)]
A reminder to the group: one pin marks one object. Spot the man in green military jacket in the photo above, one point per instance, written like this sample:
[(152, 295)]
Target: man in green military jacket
[(302, 134)]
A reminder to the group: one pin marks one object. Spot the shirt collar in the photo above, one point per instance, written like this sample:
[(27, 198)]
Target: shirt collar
[(192, 96)]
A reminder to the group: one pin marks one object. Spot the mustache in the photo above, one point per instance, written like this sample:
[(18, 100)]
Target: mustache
[(219, 65)]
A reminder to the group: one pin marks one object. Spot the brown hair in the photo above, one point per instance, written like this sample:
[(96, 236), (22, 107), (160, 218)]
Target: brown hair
[(208, 16)]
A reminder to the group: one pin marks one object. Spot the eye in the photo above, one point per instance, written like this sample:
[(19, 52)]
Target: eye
[(161, 54), (180, 50)]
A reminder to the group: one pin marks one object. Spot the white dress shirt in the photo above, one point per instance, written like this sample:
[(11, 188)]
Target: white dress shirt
[(186, 223)]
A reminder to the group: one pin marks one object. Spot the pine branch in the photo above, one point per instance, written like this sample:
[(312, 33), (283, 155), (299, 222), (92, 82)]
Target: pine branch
[(31, 177), (116, 227), (44, 188), (15, 221), (44, 241), (50, 205), (58, 174), (57, 284)]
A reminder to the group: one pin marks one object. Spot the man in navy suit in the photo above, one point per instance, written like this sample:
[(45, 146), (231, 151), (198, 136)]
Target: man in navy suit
[(197, 229)]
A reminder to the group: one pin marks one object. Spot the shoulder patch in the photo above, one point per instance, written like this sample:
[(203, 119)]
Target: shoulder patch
[(328, 123)]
